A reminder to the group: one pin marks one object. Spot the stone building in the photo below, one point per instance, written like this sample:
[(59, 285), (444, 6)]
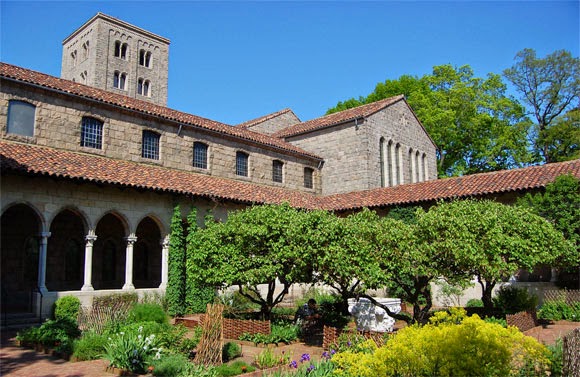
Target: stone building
[(91, 172)]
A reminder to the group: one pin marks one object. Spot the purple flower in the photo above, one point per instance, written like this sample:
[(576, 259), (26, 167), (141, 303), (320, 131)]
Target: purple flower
[(310, 368), (348, 344), (332, 352), (305, 357), (293, 364), (326, 355)]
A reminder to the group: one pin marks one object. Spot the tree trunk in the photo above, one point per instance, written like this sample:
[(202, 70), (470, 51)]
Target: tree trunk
[(486, 293)]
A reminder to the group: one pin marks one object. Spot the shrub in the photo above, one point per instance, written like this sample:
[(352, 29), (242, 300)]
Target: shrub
[(230, 351), (116, 300), (132, 351), (67, 307), (148, 312), (348, 341), (90, 347), (267, 359), (474, 303), (512, 300), (443, 348), (499, 321), (558, 310), (170, 366), (55, 332), (233, 369), (556, 358), (193, 370)]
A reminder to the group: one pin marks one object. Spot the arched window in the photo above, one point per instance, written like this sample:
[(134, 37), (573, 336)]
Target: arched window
[(73, 57), (383, 162), (146, 88), (121, 50), (21, 118), (148, 59), (91, 133), (411, 165), (417, 167), (150, 145), (308, 178), (85, 50), (398, 164), (277, 171), (425, 168), (242, 164), (117, 52), (200, 155), (119, 80), (145, 58)]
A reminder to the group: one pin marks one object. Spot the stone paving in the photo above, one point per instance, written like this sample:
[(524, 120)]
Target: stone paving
[(22, 362)]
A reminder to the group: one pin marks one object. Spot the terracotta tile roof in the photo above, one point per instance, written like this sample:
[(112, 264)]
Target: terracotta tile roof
[(474, 185), (43, 161), (338, 118), (253, 122), (23, 75)]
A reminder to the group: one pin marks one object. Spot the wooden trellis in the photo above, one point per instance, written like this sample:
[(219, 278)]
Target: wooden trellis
[(209, 349)]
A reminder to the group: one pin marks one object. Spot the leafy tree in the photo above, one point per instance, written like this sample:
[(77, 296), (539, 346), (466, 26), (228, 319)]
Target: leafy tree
[(176, 280), (267, 245), (549, 86), (489, 240), (563, 137), (475, 126)]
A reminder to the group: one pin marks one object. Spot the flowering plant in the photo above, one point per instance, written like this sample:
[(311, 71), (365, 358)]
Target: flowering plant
[(132, 350)]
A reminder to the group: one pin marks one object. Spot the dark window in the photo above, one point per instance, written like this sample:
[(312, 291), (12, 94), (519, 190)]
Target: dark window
[(124, 48), (21, 118), (146, 87), (200, 155), (121, 49), (277, 167), (140, 86), (308, 181), (92, 133), (118, 49), (242, 164), (119, 80), (72, 262), (145, 58), (150, 147), (148, 59), (141, 57)]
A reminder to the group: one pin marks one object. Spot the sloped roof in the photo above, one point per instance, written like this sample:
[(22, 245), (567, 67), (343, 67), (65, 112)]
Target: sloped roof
[(338, 118), (35, 160), (475, 185), (250, 123), (23, 75)]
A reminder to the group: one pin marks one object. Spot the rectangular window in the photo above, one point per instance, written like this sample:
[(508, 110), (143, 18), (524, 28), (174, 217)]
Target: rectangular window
[(200, 155), (277, 171), (242, 164), (92, 133), (21, 118), (150, 145), (308, 175)]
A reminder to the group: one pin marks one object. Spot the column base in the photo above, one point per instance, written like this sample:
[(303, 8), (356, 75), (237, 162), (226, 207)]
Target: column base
[(128, 287), (87, 288)]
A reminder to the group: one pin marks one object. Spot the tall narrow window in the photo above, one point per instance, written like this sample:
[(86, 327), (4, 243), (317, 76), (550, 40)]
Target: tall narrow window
[(145, 58), (84, 77), (142, 57), (146, 88), (200, 155), (383, 162), (124, 48), (21, 118), (73, 57), (242, 164), (277, 171), (85, 50), (390, 152), (417, 167), (411, 166), (308, 178), (118, 49), (148, 59), (91, 133), (399, 163), (119, 80), (140, 86), (150, 145), (425, 168)]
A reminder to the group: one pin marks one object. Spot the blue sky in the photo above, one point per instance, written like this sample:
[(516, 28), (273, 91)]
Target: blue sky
[(235, 61)]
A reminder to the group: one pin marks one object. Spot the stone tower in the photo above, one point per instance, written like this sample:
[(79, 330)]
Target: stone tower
[(110, 54)]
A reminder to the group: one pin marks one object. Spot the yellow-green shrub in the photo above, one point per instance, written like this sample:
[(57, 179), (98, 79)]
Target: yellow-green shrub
[(445, 347)]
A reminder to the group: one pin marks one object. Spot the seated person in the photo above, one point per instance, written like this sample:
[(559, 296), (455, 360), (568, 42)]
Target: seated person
[(307, 315)]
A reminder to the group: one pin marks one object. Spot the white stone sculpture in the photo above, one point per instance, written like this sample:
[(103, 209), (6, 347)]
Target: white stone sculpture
[(373, 318)]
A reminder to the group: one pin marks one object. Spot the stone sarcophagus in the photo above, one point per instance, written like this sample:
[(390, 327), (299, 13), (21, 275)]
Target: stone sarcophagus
[(370, 317)]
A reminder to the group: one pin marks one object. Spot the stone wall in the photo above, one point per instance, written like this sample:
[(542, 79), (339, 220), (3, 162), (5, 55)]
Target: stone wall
[(58, 125), (276, 124)]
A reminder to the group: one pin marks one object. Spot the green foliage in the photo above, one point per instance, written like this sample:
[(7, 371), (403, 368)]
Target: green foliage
[(445, 348), (560, 310), (320, 368), (67, 307), (147, 312), (233, 369), (562, 138), (199, 297), (193, 370), (176, 283), (549, 86), (171, 365), (474, 124), (474, 303), (511, 300), (90, 346), (58, 334), (132, 350), (348, 341), (230, 351), (116, 300), (556, 358), (498, 321), (268, 359)]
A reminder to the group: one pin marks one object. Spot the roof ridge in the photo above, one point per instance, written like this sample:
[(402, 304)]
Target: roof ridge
[(263, 118), (20, 74)]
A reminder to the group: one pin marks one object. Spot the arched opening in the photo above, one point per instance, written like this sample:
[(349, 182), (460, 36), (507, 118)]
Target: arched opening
[(109, 253), (65, 258), (147, 255), (19, 244)]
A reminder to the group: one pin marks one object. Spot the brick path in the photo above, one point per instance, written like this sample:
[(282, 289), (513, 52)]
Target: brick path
[(21, 362)]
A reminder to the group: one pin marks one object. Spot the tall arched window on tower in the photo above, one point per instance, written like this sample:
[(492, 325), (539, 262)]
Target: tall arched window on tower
[(145, 58), (411, 160), (119, 80), (121, 50), (85, 50)]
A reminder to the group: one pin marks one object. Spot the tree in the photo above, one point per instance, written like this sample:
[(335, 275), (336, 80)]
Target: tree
[(267, 245), (563, 137), (474, 125), (549, 86), (489, 240), (176, 264)]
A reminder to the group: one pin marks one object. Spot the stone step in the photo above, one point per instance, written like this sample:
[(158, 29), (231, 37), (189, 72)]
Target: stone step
[(18, 320)]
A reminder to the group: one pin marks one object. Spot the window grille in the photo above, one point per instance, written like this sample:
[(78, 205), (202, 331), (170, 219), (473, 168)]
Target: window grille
[(242, 164), (200, 155), (150, 145), (308, 178), (92, 133), (277, 168)]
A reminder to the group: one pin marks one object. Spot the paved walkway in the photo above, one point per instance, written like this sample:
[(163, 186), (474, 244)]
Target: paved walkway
[(22, 362)]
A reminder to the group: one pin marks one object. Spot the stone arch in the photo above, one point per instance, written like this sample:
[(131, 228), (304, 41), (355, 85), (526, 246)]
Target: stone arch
[(147, 254), (65, 257), (21, 225), (109, 252)]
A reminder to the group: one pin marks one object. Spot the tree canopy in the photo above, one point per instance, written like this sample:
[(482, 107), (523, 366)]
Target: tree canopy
[(549, 87), (475, 125)]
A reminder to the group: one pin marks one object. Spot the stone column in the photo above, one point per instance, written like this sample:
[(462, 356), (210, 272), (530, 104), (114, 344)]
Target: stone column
[(553, 275), (88, 282), (129, 262), (164, 262), (42, 262)]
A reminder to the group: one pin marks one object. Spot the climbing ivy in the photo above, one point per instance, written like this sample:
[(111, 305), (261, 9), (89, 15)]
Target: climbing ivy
[(176, 280)]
